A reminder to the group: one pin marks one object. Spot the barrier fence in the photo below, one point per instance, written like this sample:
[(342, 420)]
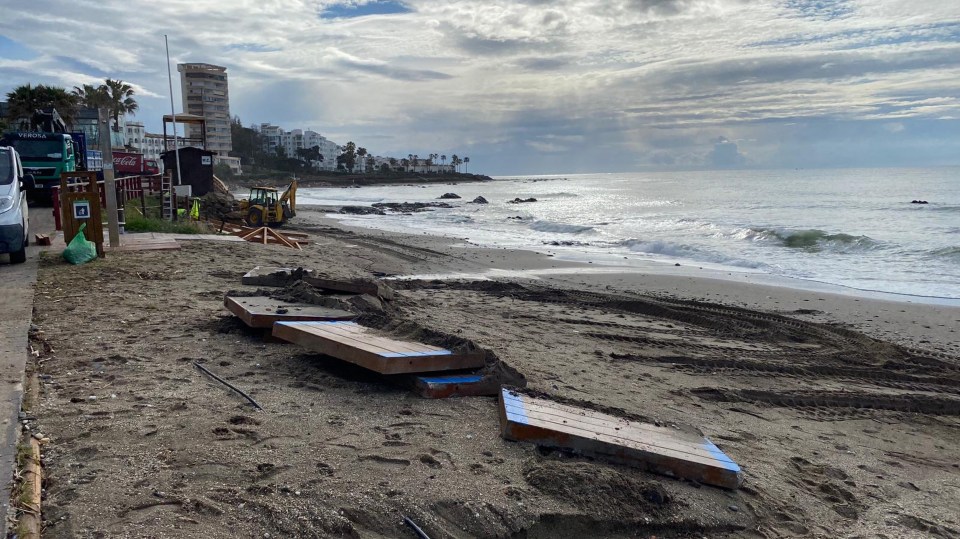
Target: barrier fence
[(128, 188)]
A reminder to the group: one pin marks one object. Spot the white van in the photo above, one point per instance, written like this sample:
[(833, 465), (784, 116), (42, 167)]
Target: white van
[(14, 222)]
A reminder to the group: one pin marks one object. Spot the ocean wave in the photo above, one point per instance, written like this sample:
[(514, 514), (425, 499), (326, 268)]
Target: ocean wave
[(679, 250), (561, 228), (937, 207), (561, 194), (949, 253), (811, 240)]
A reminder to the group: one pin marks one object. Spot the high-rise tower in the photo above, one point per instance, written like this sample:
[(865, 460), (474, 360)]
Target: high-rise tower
[(205, 93)]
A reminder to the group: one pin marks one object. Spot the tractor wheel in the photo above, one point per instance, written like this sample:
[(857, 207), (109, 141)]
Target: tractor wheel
[(255, 217)]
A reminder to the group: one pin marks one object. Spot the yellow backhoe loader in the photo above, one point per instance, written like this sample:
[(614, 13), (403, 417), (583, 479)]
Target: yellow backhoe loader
[(267, 207)]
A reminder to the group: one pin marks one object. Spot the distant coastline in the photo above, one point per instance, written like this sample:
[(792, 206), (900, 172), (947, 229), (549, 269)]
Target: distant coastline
[(335, 179)]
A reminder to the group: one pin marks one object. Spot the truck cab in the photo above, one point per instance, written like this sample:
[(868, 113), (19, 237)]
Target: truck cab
[(44, 155), (14, 221)]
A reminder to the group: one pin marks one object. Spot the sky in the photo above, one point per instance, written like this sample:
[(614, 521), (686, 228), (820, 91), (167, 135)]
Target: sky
[(539, 86)]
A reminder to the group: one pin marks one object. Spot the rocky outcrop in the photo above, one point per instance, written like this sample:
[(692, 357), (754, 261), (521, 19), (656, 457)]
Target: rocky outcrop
[(409, 207), (447, 196), (479, 200), (361, 210), (519, 200)]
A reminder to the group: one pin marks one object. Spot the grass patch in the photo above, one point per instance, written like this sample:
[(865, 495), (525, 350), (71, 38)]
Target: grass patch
[(137, 223)]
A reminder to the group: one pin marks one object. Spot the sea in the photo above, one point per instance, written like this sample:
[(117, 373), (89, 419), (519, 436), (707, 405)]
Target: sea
[(856, 229)]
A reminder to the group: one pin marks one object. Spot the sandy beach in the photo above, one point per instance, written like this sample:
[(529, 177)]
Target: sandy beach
[(841, 409)]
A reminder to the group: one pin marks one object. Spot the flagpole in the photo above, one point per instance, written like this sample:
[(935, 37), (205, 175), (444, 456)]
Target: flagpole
[(173, 113)]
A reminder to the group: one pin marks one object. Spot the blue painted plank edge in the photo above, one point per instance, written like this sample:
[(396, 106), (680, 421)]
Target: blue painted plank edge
[(516, 411), (461, 379)]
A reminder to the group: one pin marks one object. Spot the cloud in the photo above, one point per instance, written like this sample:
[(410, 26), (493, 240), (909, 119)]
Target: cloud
[(726, 154), (513, 83)]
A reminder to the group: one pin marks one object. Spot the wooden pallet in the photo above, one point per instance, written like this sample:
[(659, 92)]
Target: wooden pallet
[(263, 312), (682, 453), (444, 386), (362, 346)]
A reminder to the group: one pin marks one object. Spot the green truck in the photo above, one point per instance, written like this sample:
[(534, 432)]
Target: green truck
[(45, 155)]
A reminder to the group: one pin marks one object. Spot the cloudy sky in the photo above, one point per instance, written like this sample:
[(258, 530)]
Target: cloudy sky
[(539, 86)]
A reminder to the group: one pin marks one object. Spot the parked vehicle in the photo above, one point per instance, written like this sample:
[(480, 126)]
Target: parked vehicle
[(267, 207), (14, 221), (44, 155)]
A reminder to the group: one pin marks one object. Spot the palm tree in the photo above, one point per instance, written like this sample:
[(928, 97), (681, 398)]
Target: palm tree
[(466, 162), (361, 153), (455, 161), (443, 159), (409, 160), (91, 96), (120, 100), (24, 101)]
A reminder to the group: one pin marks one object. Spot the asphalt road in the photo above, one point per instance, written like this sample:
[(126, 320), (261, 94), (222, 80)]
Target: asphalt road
[(17, 283)]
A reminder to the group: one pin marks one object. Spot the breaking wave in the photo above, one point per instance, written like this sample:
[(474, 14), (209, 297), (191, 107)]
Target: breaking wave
[(679, 250), (812, 240), (950, 253), (561, 228)]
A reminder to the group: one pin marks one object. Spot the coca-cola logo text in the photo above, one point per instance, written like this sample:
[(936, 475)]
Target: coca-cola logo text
[(126, 161)]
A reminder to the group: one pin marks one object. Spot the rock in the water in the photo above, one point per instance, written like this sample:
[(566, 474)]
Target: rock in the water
[(449, 196), (479, 200), (519, 200), (361, 210), (919, 202), (407, 207)]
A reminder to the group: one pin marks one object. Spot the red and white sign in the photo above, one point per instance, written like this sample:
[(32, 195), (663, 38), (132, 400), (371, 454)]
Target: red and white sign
[(127, 163)]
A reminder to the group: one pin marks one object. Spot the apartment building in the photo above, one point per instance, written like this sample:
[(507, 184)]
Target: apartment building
[(275, 137), (205, 92)]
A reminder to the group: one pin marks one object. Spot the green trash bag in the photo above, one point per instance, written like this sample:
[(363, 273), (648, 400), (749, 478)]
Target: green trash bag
[(80, 250)]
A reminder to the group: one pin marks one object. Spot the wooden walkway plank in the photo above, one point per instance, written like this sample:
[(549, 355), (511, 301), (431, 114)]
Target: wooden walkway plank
[(364, 338), (363, 334), (262, 312), (659, 449), (444, 386), (361, 346)]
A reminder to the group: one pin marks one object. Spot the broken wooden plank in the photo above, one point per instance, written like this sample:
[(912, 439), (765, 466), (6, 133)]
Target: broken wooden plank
[(357, 286), (263, 312), (362, 346), (682, 453), (443, 386), (273, 276)]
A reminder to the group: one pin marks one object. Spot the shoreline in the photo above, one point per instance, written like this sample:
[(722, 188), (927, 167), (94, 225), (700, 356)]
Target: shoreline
[(609, 263), (882, 315)]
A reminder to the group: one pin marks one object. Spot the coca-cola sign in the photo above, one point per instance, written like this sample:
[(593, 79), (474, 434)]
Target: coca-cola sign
[(127, 163)]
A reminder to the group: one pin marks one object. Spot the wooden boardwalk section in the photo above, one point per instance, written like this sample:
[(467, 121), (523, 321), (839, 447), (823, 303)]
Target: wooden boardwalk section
[(664, 450), (444, 386), (263, 312), (362, 346)]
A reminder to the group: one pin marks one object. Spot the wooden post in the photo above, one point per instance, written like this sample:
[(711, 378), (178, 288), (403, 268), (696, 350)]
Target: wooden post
[(108, 181), (32, 488)]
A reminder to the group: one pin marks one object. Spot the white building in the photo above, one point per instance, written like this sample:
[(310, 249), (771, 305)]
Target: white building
[(276, 139)]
